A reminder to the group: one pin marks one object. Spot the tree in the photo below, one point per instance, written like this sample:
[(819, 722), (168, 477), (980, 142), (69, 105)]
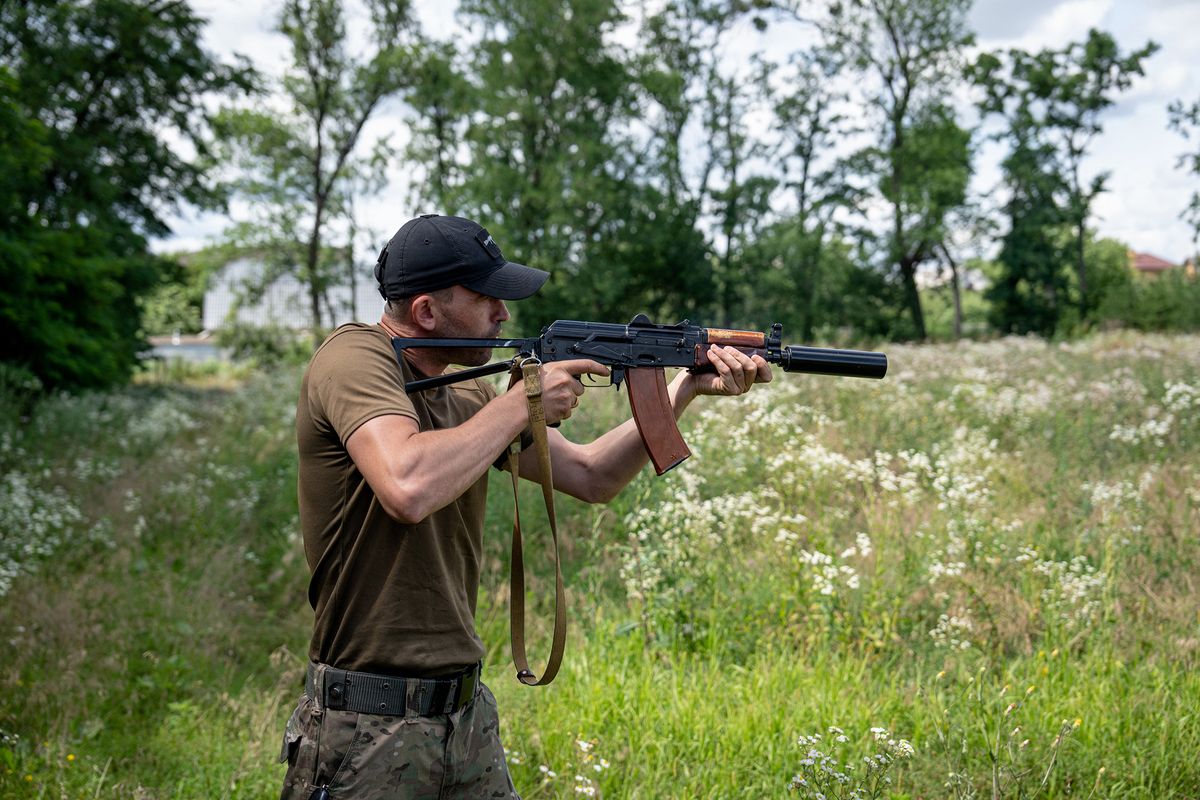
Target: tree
[(91, 95), (967, 228), (740, 201), (687, 85), (1052, 102), (441, 102), (809, 126), (677, 61), (1186, 121), (299, 168), (851, 299), (551, 172), (910, 53), (1030, 293)]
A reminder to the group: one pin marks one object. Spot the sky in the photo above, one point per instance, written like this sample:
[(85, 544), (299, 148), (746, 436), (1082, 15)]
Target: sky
[(1146, 192)]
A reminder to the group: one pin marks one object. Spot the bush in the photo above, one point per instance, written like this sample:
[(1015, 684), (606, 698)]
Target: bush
[(19, 389), (268, 345), (1169, 302)]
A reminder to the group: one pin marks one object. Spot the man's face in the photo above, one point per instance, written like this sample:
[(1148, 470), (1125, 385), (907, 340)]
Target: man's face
[(469, 315)]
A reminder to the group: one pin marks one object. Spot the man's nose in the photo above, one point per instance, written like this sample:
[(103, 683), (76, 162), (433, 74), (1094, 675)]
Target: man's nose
[(502, 314)]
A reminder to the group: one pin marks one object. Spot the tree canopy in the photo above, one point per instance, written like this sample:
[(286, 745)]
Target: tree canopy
[(301, 166), (637, 151), (95, 98)]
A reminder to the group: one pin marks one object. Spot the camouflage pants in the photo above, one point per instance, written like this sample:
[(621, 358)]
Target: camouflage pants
[(369, 757)]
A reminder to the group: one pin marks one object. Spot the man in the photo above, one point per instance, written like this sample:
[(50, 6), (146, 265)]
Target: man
[(392, 490)]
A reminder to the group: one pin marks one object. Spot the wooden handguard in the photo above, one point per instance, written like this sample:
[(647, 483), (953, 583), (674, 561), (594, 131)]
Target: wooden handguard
[(721, 336), (655, 420)]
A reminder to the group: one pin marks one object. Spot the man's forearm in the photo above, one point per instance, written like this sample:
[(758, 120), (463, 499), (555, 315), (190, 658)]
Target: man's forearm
[(454, 458), (616, 457)]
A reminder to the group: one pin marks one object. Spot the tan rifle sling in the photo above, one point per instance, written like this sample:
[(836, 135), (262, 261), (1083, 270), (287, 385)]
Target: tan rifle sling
[(531, 375)]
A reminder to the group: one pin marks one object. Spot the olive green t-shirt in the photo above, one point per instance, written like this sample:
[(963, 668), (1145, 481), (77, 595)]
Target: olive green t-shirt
[(388, 597)]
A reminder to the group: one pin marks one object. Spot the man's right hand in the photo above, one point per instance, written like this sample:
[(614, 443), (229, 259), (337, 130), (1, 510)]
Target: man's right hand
[(561, 387)]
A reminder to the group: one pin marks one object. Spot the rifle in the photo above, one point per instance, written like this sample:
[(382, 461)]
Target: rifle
[(638, 353)]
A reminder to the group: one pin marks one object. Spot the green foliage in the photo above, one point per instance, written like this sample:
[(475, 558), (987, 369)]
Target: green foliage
[(1186, 121), (177, 304), (90, 95), (936, 158), (742, 200), (939, 313), (833, 295), (638, 169), (266, 346), (19, 391), (1167, 302), (559, 189), (910, 54), (1109, 270), (563, 171), (810, 128), (171, 567), (441, 100), (979, 712), (1051, 102), (822, 777), (172, 308), (1031, 293), (67, 313)]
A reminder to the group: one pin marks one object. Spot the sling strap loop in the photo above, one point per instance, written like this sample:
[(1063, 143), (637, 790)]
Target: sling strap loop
[(529, 371)]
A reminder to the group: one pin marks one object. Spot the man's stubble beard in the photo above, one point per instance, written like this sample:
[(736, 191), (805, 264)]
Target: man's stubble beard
[(466, 356), (470, 356)]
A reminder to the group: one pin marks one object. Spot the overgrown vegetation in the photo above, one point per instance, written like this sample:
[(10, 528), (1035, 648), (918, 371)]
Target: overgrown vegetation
[(989, 556)]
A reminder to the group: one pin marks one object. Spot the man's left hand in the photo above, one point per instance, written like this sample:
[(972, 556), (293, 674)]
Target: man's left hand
[(736, 372)]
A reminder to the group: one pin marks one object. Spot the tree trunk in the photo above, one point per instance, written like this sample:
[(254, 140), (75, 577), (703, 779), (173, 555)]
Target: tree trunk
[(314, 285), (350, 273), (908, 271), (1081, 270), (955, 289)]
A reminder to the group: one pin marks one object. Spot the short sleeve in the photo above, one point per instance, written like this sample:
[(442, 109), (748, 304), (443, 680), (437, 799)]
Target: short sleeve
[(354, 378)]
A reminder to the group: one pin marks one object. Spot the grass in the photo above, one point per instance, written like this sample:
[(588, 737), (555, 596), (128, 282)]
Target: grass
[(990, 554)]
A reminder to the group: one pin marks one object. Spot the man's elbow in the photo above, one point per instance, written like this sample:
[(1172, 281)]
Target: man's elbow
[(593, 486), (406, 504), (601, 493)]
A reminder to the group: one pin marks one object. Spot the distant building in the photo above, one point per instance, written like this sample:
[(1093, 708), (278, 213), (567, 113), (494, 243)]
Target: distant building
[(1153, 266), (285, 301)]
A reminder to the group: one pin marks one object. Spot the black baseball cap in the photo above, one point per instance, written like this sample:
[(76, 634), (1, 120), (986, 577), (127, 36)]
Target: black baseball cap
[(435, 252)]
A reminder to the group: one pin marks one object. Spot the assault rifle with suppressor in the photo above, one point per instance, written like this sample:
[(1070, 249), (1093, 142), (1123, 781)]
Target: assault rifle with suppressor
[(638, 353)]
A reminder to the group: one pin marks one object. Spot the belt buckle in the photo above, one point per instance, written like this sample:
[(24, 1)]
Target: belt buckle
[(335, 697)]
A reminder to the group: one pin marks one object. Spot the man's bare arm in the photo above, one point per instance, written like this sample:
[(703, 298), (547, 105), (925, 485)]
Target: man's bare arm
[(596, 472), (414, 473)]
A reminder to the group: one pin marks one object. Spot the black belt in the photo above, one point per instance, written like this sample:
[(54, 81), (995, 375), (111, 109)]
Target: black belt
[(390, 695)]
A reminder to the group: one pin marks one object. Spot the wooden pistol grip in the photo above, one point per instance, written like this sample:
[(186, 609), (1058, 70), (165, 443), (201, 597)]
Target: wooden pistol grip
[(655, 420)]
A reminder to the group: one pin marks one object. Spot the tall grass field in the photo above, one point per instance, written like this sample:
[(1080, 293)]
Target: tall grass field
[(977, 578)]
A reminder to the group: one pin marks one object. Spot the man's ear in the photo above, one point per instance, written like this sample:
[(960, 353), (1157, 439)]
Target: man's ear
[(424, 316)]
